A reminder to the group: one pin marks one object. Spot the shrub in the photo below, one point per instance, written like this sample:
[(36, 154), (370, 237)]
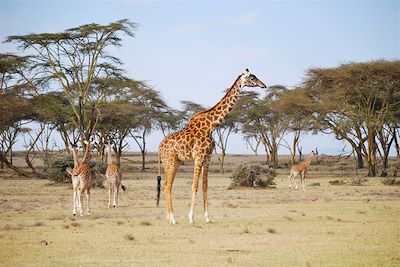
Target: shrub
[(358, 181), (57, 167), (337, 182), (253, 175), (390, 181)]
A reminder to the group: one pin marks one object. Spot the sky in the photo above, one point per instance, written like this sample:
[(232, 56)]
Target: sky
[(194, 50)]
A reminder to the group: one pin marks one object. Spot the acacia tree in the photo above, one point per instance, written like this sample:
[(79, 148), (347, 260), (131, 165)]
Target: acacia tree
[(153, 110), (354, 101), (295, 106), (74, 59), (15, 108), (261, 120)]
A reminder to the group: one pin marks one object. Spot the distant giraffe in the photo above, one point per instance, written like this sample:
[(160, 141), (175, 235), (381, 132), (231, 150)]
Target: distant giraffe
[(75, 180), (195, 142), (114, 177), (301, 169), (83, 178)]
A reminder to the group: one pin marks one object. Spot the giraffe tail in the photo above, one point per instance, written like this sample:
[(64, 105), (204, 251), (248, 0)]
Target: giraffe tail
[(123, 187), (158, 189), (159, 179)]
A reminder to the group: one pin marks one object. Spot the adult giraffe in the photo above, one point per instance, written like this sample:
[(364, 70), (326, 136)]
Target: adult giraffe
[(195, 142)]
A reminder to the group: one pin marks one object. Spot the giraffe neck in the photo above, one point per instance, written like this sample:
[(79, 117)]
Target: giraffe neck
[(75, 156), (218, 113), (110, 158), (307, 161), (86, 156)]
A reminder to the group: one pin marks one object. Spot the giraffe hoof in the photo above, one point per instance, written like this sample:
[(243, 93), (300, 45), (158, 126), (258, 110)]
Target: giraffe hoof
[(114, 206), (208, 220), (73, 214)]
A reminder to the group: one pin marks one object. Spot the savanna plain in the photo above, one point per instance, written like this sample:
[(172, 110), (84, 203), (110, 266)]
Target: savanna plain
[(353, 223)]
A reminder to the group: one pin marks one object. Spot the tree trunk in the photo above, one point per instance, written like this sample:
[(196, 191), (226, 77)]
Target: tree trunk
[(17, 170), (371, 153), (396, 144), (385, 162), (10, 151), (221, 160), (143, 160), (360, 161)]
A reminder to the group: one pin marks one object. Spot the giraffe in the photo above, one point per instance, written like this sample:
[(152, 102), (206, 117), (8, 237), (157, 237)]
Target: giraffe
[(301, 169), (114, 177), (83, 178), (194, 142), (75, 180)]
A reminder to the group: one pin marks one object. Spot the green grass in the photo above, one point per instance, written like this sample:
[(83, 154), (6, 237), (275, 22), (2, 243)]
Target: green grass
[(325, 226)]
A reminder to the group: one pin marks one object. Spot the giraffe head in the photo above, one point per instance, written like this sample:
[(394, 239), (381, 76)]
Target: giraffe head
[(250, 80)]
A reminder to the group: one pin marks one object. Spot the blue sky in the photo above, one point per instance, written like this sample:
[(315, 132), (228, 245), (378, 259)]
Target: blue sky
[(194, 50)]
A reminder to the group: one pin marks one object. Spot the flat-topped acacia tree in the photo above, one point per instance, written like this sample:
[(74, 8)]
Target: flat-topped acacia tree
[(74, 59)]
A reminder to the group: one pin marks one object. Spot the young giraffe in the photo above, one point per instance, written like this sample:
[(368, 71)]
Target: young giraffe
[(114, 177), (75, 179), (84, 176), (195, 142), (301, 169)]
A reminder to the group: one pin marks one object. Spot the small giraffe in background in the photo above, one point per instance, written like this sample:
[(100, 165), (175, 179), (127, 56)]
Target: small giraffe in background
[(84, 176), (195, 142), (301, 169), (114, 177)]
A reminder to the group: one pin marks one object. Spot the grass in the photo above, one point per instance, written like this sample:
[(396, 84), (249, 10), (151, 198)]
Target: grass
[(325, 226)]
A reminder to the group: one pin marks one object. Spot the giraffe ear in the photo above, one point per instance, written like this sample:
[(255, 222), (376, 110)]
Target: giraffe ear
[(247, 71)]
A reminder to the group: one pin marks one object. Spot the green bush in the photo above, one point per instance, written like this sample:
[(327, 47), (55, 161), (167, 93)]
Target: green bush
[(253, 175), (57, 167)]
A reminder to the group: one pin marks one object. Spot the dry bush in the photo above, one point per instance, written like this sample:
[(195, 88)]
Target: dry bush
[(129, 237), (253, 174), (390, 181), (358, 181), (38, 224), (337, 182), (145, 223)]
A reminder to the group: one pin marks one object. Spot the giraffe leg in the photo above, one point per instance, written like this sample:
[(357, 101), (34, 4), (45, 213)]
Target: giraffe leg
[(80, 202), (206, 166), (116, 196), (109, 195), (75, 202), (198, 165), (303, 176), (88, 200), (290, 179), (170, 169), (78, 199), (294, 180)]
